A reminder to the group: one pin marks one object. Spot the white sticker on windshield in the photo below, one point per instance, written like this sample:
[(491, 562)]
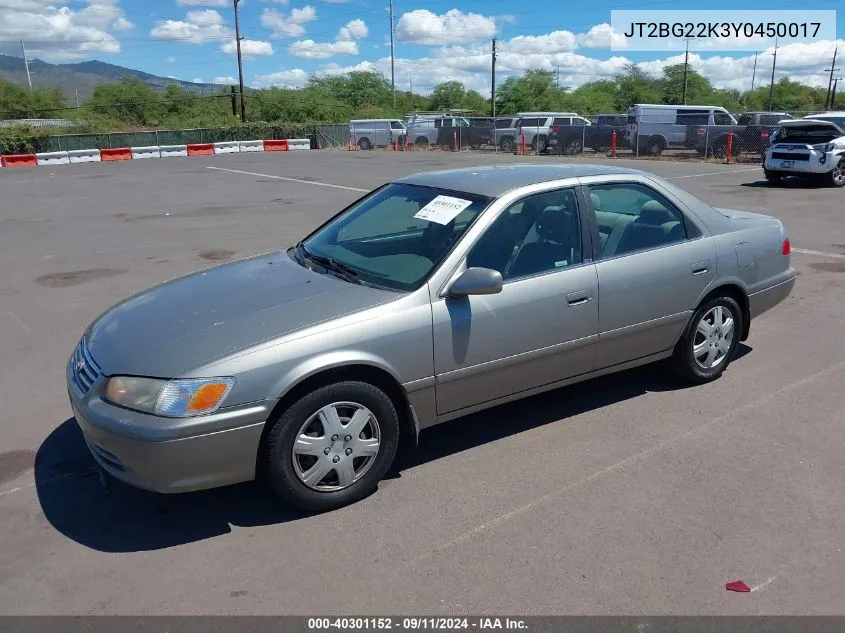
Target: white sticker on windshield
[(443, 209)]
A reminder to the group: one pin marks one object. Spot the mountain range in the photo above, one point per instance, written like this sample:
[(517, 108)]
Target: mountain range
[(80, 79)]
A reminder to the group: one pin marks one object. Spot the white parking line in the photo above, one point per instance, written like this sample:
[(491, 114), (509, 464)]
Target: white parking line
[(713, 173), (304, 182), (806, 251)]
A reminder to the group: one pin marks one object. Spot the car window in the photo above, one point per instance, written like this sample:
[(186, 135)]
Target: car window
[(721, 118), (503, 123), (562, 121), (396, 125), (692, 118), (747, 119), (633, 217), (537, 234), (530, 123), (396, 237)]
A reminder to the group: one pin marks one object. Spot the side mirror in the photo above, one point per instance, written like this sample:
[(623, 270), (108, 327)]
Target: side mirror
[(476, 281)]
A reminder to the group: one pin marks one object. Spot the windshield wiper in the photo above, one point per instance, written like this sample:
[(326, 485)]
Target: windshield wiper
[(331, 265)]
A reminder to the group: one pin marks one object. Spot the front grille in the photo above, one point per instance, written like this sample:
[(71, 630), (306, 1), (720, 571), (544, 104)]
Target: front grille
[(85, 370), (787, 156)]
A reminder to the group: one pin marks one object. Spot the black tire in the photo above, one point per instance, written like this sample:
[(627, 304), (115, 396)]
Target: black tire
[(506, 144), (574, 146), (683, 360), (277, 460), (836, 177), (655, 147), (365, 144), (773, 178)]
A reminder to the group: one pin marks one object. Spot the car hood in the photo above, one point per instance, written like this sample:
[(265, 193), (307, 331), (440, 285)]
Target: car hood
[(171, 328)]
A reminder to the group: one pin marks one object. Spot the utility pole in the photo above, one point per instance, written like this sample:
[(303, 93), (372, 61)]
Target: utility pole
[(240, 63), (772, 86), (26, 63), (493, 83), (833, 94), (754, 72), (831, 70), (392, 57), (686, 66)]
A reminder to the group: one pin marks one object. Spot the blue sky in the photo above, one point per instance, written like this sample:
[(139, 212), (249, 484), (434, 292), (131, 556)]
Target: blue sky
[(435, 40)]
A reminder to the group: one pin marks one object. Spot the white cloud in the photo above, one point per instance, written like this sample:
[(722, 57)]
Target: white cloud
[(204, 3), (61, 33), (602, 36), (453, 27), (198, 27), (228, 80), (197, 80), (290, 25), (170, 60), (309, 49), (249, 48), (353, 30), (294, 78)]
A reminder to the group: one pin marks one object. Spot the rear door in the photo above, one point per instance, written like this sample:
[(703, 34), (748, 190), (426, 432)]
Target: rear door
[(653, 262)]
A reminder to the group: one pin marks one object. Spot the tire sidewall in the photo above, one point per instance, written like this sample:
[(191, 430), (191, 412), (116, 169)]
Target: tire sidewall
[(689, 365), (278, 462)]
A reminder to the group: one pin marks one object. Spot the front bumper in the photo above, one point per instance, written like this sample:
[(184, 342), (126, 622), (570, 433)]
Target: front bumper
[(167, 455), (816, 162)]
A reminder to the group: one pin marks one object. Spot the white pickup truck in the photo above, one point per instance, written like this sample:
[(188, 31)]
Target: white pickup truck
[(810, 148)]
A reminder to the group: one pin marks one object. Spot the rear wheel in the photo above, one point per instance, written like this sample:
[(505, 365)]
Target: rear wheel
[(655, 146), (506, 144), (365, 144), (710, 341), (574, 147), (836, 178), (772, 177), (332, 446)]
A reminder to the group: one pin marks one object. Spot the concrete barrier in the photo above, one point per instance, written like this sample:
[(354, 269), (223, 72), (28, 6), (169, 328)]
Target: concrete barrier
[(251, 146), (200, 149), (116, 153), (52, 158), (84, 156), (18, 160), (299, 143), (227, 147), (151, 151), (275, 145), (173, 150)]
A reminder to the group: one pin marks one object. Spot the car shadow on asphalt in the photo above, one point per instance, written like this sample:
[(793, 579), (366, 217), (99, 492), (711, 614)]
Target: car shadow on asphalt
[(109, 516), (787, 183)]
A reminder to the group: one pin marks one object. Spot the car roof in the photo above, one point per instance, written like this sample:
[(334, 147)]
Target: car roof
[(495, 180), (799, 123)]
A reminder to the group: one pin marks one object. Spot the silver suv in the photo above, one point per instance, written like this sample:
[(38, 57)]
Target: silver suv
[(536, 125), (425, 130)]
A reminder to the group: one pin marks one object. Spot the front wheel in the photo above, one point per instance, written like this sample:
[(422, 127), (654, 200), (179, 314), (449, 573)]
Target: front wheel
[(332, 446), (836, 178), (710, 341)]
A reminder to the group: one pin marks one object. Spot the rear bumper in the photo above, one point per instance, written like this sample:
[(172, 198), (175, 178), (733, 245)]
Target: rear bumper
[(764, 300), (819, 163)]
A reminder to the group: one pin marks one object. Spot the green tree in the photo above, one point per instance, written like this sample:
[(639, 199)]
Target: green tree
[(449, 94), (357, 88), (634, 86), (16, 102), (130, 101), (535, 90), (699, 89)]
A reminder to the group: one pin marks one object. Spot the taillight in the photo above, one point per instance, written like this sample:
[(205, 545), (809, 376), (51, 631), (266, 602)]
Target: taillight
[(786, 249), (764, 134), (554, 129), (702, 131)]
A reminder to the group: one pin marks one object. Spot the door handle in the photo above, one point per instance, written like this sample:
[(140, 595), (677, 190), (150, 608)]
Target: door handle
[(700, 268), (579, 297)]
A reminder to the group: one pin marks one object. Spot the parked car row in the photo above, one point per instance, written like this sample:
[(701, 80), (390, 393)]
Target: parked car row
[(812, 147)]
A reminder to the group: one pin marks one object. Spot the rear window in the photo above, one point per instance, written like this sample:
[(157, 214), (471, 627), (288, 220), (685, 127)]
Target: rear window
[(692, 118), (530, 122), (562, 121), (722, 118), (746, 119), (504, 123)]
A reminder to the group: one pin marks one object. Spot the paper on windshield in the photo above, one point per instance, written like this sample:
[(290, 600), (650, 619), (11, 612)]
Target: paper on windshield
[(443, 209)]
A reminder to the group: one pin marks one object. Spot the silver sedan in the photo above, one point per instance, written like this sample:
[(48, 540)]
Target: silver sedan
[(433, 296)]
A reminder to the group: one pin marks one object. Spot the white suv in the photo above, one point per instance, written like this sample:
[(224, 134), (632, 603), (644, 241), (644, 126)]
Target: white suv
[(809, 148)]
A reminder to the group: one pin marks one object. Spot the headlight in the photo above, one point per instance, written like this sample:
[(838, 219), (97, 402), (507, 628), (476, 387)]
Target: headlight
[(824, 147), (169, 398)]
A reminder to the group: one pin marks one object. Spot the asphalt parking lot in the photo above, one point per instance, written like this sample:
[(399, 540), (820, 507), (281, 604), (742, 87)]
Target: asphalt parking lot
[(624, 495)]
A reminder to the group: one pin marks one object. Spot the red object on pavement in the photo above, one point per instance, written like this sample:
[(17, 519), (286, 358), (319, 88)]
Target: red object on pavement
[(613, 143), (738, 585), (730, 145)]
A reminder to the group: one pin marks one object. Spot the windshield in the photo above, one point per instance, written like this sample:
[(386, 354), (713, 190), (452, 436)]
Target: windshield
[(395, 237)]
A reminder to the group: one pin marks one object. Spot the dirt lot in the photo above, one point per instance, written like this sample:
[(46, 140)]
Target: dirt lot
[(625, 495)]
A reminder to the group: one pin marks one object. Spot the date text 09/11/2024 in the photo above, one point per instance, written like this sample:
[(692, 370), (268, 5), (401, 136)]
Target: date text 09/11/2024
[(415, 623)]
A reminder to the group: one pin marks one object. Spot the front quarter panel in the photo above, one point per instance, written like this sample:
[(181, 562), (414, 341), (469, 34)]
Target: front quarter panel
[(395, 337)]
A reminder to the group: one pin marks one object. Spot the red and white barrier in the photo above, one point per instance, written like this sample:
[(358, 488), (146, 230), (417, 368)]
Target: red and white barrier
[(153, 151)]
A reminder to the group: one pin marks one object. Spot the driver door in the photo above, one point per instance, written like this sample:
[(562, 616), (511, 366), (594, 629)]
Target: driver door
[(541, 328)]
